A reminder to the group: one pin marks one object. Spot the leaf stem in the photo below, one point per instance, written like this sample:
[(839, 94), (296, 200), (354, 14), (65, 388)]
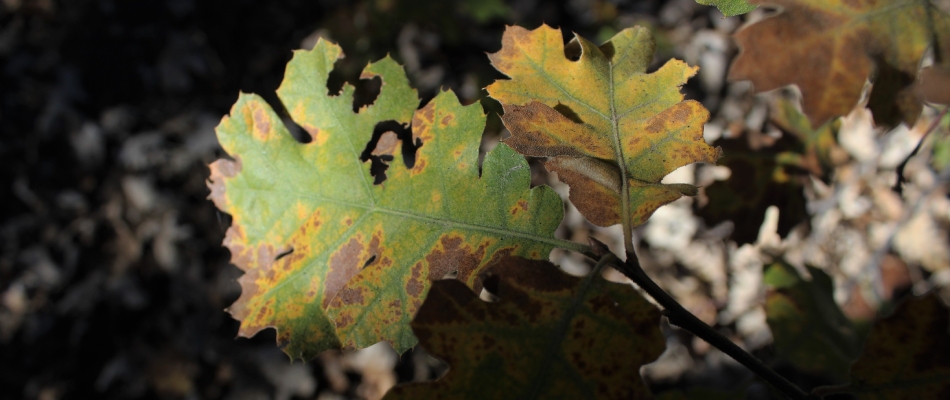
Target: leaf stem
[(682, 318)]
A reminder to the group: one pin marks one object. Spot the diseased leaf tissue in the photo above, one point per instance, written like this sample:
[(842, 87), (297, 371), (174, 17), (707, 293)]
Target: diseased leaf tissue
[(362, 256), (333, 260), (610, 130)]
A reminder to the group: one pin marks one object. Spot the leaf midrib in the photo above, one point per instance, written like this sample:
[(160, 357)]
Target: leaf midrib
[(445, 222)]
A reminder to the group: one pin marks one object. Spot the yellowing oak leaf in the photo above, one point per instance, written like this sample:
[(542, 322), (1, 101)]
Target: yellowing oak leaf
[(549, 336), (611, 130), (333, 260), (829, 48)]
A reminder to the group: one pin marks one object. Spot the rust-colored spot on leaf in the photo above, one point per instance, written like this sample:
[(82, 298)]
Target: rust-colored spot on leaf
[(420, 166), (262, 125), (346, 263), (520, 206), (221, 171), (351, 296), (452, 255), (446, 120), (415, 285)]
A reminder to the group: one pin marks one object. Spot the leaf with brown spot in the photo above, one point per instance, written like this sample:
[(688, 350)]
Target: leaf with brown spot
[(906, 355), (363, 256), (549, 336), (829, 48), (610, 130)]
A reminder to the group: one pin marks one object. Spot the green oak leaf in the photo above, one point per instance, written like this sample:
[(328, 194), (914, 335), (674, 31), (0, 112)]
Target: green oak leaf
[(333, 260)]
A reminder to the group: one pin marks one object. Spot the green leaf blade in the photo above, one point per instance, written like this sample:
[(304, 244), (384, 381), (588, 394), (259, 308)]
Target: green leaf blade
[(332, 260)]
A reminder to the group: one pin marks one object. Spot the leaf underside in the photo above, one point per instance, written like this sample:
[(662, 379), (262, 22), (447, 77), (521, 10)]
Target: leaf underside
[(550, 335), (729, 8), (830, 48), (610, 130), (362, 256)]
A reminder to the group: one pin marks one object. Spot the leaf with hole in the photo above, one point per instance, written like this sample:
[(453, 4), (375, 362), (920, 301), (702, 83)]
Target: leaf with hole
[(610, 130), (829, 49), (549, 336), (358, 257)]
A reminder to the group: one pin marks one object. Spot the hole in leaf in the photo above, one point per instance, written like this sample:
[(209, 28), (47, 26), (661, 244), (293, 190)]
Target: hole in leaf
[(572, 50), (367, 90), (369, 262), (336, 80), (284, 254), (608, 50), (299, 134), (381, 160), (568, 112), (490, 283)]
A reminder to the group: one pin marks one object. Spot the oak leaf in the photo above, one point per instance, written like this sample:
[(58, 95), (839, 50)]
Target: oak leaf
[(611, 131), (829, 49), (332, 260), (549, 336)]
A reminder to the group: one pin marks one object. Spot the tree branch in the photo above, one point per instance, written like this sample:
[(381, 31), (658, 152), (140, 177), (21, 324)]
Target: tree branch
[(682, 318)]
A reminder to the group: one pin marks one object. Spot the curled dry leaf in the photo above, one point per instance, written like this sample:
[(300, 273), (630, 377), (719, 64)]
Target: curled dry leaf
[(333, 260), (549, 336), (611, 131), (829, 49)]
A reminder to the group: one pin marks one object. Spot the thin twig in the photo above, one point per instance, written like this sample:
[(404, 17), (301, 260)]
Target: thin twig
[(682, 318), (899, 185)]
